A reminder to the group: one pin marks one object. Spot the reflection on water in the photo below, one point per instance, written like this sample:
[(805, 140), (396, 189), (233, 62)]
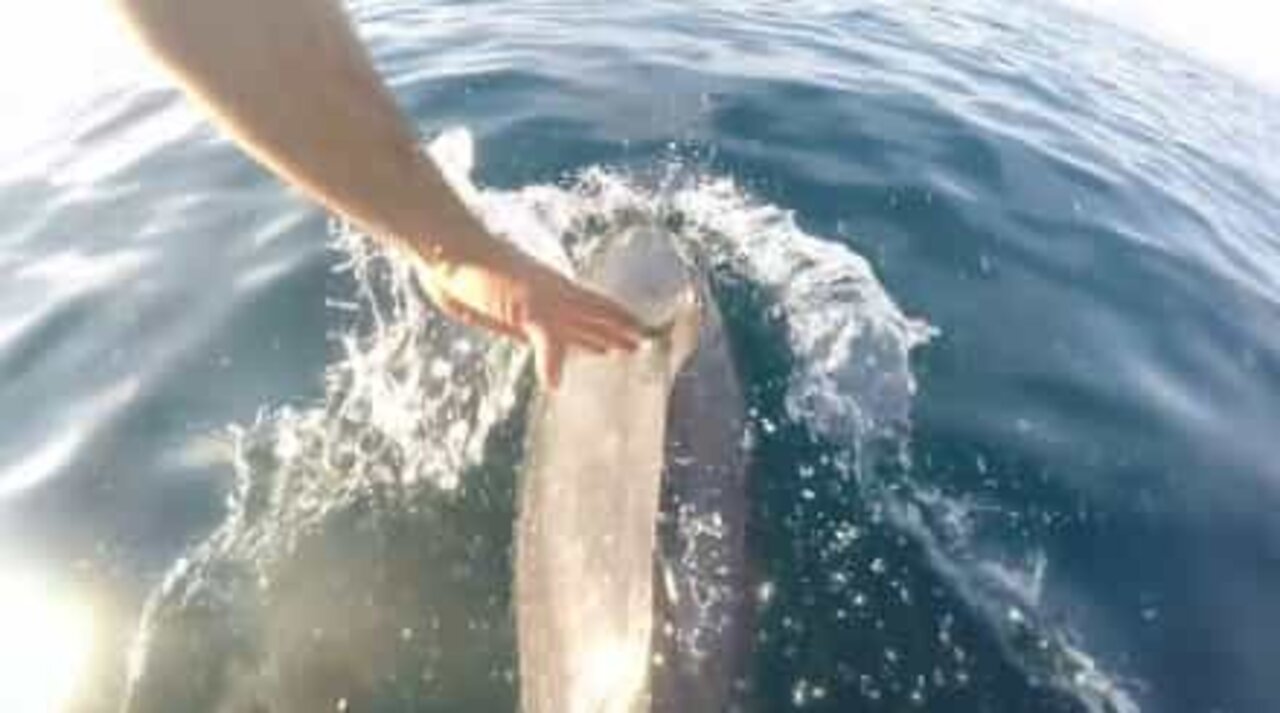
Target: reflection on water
[(1087, 219), (46, 639)]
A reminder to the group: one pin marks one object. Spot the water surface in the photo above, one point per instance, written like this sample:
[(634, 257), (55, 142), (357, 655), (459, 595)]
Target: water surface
[(1063, 501)]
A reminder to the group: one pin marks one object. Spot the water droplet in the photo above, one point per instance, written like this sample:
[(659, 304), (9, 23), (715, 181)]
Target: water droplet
[(765, 592)]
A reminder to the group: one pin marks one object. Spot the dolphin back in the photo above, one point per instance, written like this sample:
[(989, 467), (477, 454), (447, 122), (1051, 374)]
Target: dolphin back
[(590, 497)]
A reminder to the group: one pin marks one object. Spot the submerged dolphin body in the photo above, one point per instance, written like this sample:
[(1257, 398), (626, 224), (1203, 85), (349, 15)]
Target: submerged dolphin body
[(630, 591)]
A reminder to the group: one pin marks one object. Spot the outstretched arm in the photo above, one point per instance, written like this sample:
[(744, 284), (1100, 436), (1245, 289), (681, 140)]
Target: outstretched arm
[(290, 81)]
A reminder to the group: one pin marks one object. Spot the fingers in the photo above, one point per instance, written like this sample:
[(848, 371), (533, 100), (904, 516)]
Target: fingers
[(548, 354), (563, 335), (586, 338), (462, 313), (601, 320), (605, 311), (618, 337), (530, 303)]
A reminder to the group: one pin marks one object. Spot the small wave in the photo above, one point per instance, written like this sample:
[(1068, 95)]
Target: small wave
[(1009, 596)]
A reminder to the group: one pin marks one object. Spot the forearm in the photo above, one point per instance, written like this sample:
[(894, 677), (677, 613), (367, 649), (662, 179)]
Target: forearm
[(292, 83)]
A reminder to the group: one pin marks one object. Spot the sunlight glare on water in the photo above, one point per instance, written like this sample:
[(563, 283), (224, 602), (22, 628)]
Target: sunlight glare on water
[(615, 673), (999, 282), (47, 640)]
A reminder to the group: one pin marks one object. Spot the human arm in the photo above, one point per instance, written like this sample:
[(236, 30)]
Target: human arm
[(290, 81)]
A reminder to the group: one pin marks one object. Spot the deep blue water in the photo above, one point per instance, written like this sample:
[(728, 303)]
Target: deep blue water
[(1079, 513)]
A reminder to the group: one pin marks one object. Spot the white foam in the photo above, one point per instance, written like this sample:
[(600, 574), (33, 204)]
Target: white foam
[(413, 398)]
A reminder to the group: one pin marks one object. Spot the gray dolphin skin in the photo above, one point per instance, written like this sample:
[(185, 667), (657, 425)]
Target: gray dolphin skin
[(630, 589)]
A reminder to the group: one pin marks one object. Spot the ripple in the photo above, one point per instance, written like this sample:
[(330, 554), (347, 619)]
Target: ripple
[(45, 460)]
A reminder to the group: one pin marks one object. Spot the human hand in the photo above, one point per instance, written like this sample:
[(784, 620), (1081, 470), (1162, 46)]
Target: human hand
[(508, 292)]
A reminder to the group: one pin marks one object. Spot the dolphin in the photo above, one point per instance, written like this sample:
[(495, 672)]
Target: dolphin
[(630, 584), (629, 544)]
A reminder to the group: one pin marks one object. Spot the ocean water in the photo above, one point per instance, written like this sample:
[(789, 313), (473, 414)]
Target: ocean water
[(1000, 281)]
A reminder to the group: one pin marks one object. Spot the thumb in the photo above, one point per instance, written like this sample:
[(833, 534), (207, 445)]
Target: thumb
[(548, 354)]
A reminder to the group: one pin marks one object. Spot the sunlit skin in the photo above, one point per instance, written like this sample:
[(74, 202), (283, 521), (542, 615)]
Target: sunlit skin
[(290, 81)]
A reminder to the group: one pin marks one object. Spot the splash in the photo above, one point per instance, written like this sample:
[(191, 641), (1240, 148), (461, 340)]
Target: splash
[(411, 406), (1008, 594)]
